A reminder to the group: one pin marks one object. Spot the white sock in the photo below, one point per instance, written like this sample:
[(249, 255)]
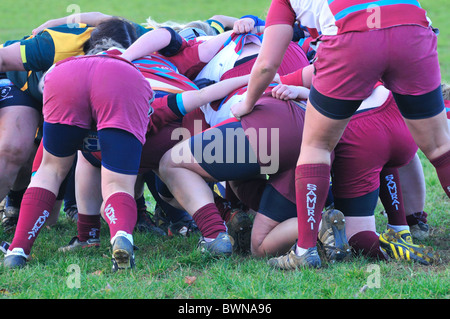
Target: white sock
[(17, 251), (300, 251), (398, 228), (124, 234)]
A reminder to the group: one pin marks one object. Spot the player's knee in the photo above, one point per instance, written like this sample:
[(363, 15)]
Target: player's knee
[(256, 245), (257, 250), (166, 164), (14, 155)]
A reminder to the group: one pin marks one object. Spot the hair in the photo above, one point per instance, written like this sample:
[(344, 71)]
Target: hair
[(177, 27), (117, 32), (104, 45), (445, 91)]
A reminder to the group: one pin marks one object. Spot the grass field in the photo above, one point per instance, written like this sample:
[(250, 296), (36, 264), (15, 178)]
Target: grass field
[(166, 266)]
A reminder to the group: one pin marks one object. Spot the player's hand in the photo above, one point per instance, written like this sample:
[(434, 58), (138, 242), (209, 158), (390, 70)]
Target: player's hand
[(289, 92), (244, 25), (240, 109), (43, 26), (284, 92)]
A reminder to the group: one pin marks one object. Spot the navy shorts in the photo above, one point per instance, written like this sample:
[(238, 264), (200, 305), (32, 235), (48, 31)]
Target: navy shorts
[(361, 206), (120, 150), (412, 107), (276, 206), (224, 152), (11, 95)]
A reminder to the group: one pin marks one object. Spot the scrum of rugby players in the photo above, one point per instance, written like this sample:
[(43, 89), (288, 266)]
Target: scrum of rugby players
[(217, 107)]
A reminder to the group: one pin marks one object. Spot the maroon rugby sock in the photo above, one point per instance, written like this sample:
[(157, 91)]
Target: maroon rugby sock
[(442, 166), (391, 196), (37, 203), (208, 221), (88, 227), (312, 182), (367, 244), (120, 213), (414, 218)]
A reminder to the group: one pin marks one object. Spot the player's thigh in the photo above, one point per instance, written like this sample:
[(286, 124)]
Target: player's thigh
[(18, 125), (181, 157)]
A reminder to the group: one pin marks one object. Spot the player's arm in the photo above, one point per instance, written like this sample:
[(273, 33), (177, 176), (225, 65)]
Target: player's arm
[(295, 85), (196, 98), (247, 23), (90, 18), (226, 21), (11, 58), (167, 42), (183, 103), (208, 49), (149, 43), (301, 77), (275, 42)]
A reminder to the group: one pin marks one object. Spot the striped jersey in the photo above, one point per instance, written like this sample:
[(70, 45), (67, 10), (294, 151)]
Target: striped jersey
[(227, 56), (161, 73), (332, 17)]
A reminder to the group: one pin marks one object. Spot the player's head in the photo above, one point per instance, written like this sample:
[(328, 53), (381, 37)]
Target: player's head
[(445, 91), (188, 31), (117, 32), (201, 27), (191, 33)]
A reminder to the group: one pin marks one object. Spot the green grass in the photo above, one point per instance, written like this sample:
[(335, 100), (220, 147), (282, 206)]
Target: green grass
[(164, 263), (437, 11)]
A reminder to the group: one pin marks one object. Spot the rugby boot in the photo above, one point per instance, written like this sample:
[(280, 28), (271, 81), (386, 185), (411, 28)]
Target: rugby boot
[(146, 224), (332, 238), (220, 246), (420, 231), (160, 218), (290, 261), (184, 227), (418, 225), (2, 206), (122, 253), (72, 213), (76, 244), (240, 230), (10, 216), (399, 246), (15, 258)]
